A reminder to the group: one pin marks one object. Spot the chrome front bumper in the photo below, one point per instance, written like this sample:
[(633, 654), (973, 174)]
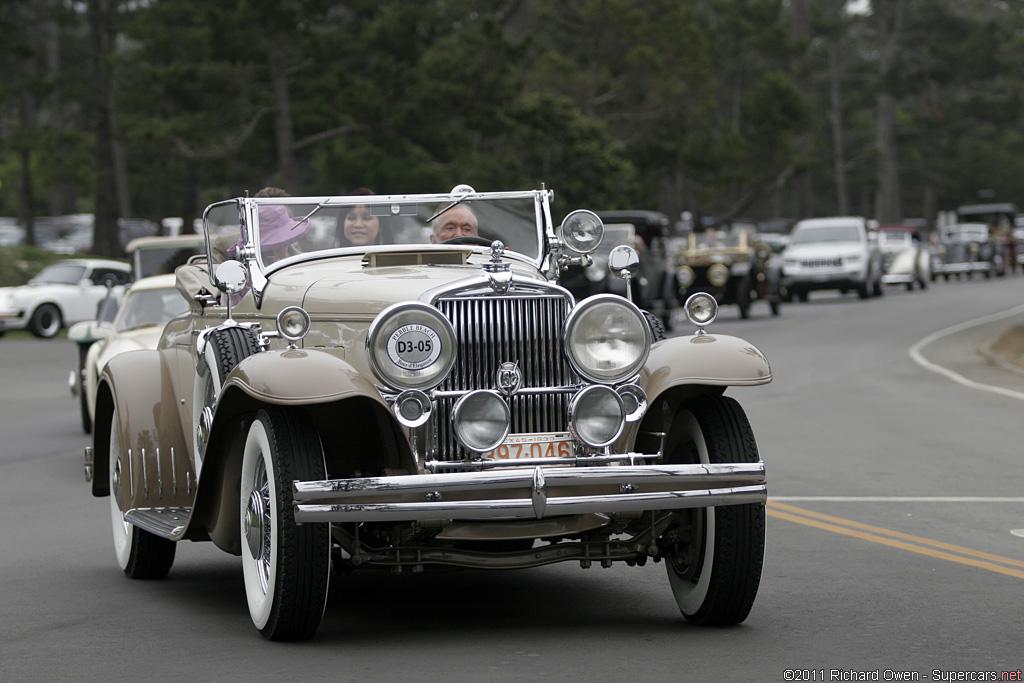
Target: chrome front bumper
[(529, 493)]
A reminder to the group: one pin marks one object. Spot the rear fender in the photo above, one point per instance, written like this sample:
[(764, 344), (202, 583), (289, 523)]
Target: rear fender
[(137, 385), (359, 434)]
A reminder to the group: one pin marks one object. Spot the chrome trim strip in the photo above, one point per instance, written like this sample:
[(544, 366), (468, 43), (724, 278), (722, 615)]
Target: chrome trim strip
[(583, 460), (174, 473), (145, 475), (131, 474), (159, 476)]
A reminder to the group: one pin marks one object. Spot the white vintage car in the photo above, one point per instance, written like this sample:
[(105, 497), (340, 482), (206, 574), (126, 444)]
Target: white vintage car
[(907, 261), (148, 304), (61, 294), (414, 390)]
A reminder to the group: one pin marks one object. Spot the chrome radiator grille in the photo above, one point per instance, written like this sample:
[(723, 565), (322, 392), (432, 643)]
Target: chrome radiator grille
[(822, 262), (493, 330)]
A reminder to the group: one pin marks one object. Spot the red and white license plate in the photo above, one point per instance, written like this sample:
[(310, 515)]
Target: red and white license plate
[(543, 445)]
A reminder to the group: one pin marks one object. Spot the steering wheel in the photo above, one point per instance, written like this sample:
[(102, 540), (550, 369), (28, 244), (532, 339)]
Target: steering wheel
[(469, 239)]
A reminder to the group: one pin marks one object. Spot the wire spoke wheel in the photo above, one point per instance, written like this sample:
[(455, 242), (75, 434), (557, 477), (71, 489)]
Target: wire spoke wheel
[(285, 565)]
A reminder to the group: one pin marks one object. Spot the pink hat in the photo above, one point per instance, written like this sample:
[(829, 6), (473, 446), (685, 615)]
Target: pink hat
[(277, 229)]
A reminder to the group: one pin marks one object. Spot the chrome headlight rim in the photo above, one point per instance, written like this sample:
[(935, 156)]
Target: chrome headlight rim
[(293, 323), (425, 365), (685, 276), (634, 401), (417, 400), (577, 420), (461, 420), (569, 341), (717, 274), (701, 309)]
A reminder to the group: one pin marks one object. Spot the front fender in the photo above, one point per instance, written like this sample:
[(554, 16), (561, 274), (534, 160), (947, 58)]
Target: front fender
[(703, 359), (135, 386), (354, 423), (299, 376)]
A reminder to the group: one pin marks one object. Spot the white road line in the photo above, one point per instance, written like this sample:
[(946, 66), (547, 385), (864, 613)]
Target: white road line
[(915, 353), (898, 499)]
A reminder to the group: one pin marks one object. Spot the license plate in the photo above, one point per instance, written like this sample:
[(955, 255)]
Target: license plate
[(545, 445)]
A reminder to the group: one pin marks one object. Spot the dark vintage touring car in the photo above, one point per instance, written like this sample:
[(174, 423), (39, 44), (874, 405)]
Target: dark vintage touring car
[(387, 398)]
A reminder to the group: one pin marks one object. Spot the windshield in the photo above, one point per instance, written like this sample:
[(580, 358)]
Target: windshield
[(295, 227), (60, 274), (825, 233), (150, 307)]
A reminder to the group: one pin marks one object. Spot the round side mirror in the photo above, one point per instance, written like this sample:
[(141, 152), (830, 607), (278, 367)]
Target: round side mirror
[(623, 261), (230, 277)]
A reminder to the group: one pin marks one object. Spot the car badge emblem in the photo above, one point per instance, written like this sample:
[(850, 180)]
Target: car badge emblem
[(510, 378)]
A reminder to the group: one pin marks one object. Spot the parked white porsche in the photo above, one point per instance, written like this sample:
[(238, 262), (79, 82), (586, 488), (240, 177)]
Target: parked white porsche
[(62, 293)]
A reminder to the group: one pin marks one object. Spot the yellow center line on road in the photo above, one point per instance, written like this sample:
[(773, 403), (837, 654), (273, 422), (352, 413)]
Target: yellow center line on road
[(914, 544)]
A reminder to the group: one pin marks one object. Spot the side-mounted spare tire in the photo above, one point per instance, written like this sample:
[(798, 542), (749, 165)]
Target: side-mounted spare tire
[(225, 348)]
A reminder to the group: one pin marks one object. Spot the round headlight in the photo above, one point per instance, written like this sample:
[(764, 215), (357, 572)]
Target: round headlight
[(482, 420), (718, 274), (701, 309), (607, 339), (597, 416), (684, 276), (293, 323), (582, 231), (411, 346)]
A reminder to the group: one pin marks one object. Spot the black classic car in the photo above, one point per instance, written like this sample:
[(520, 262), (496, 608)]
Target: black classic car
[(653, 288)]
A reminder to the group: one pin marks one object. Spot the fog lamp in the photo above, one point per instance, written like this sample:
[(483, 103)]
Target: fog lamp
[(597, 416), (482, 420)]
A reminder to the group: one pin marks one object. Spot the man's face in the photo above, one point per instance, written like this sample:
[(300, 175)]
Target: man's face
[(458, 221)]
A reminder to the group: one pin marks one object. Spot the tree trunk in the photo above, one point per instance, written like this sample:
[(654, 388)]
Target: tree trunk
[(106, 241), (838, 137), (888, 208), (284, 137)]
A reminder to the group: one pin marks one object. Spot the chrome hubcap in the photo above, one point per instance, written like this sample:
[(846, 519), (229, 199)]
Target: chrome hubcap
[(254, 525)]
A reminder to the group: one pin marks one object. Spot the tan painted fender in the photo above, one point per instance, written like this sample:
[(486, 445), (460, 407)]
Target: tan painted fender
[(707, 359), (299, 376), (137, 385), (345, 407)]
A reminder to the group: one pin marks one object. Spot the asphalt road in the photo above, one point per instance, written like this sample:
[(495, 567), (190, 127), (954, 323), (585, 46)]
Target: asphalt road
[(895, 489)]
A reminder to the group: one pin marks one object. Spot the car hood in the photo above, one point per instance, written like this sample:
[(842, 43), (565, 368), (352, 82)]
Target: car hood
[(346, 287), (821, 249)]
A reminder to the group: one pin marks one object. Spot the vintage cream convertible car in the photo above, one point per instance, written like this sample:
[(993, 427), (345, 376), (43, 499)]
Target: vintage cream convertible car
[(420, 402)]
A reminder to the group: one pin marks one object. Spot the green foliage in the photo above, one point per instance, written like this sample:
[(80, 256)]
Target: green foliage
[(713, 106)]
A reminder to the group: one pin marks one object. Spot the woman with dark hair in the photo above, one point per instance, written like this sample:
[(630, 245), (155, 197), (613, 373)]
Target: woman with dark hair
[(359, 227)]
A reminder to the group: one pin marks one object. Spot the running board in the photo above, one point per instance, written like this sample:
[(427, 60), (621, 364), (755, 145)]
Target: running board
[(169, 522)]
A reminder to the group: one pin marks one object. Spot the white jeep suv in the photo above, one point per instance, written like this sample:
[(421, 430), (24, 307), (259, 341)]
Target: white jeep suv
[(833, 253)]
